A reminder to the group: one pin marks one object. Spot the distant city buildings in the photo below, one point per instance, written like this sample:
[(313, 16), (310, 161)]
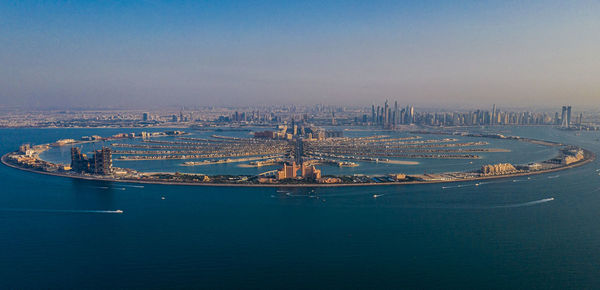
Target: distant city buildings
[(301, 119), (390, 118)]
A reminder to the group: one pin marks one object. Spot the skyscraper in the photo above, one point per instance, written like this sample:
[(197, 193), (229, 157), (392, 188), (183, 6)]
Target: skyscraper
[(395, 113), (563, 117), (100, 163), (79, 161), (566, 117), (103, 161), (385, 113), (373, 114)]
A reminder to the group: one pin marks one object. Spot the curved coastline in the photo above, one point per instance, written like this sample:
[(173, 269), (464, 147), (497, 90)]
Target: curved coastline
[(588, 158)]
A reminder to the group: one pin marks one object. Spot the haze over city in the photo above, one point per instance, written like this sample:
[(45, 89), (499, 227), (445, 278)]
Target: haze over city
[(188, 53)]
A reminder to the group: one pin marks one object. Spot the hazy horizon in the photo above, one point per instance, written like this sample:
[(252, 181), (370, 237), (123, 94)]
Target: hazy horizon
[(428, 54)]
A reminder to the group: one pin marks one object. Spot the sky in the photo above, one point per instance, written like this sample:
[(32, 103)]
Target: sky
[(98, 54)]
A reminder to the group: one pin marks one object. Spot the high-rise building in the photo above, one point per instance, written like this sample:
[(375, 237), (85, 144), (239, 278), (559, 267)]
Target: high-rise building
[(395, 119), (385, 113), (566, 117), (103, 161), (79, 161), (373, 114)]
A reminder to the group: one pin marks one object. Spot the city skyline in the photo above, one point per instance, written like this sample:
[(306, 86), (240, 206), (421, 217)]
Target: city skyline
[(153, 54)]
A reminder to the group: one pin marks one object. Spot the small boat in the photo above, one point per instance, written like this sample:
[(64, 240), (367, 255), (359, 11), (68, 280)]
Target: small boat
[(118, 211), (476, 184), (163, 198), (377, 195)]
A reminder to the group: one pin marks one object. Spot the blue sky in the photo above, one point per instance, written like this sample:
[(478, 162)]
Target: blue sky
[(181, 53)]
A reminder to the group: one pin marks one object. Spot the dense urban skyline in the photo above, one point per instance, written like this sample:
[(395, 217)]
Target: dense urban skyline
[(151, 54)]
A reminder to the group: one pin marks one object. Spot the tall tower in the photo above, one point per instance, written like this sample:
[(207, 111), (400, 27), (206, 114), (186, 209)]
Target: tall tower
[(493, 115), (79, 161), (563, 117), (103, 161), (373, 114), (385, 113), (395, 113), (568, 116)]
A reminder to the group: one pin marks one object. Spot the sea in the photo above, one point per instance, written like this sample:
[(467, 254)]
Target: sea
[(540, 231)]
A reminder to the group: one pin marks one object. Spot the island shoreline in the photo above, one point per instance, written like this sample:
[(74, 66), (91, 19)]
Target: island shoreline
[(589, 157)]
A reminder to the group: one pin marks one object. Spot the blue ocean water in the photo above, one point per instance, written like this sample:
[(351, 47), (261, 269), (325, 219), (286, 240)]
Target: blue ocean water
[(540, 232)]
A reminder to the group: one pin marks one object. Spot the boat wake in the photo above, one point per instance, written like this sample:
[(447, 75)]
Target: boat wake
[(134, 186), (115, 188), (476, 207), (486, 182), (554, 176), (530, 203), (118, 211), (460, 185), (288, 194), (474, 184)]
